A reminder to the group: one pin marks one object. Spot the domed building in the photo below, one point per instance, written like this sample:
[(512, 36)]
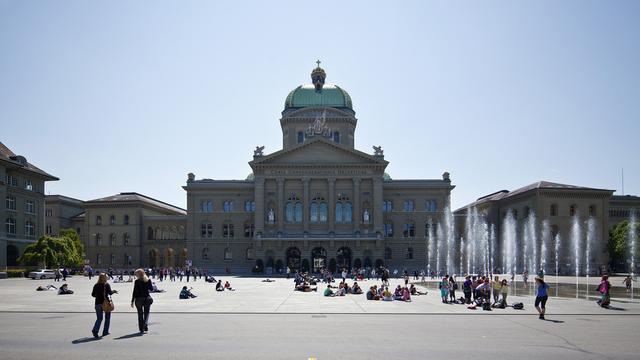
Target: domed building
[(316, 203)]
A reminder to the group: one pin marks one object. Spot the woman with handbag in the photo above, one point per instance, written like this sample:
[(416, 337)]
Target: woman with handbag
[(142, 300), (103, 305)]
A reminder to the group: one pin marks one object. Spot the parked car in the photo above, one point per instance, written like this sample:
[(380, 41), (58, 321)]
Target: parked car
[(42, 274)]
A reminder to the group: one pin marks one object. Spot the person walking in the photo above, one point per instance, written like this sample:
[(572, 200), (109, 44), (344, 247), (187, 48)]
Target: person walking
[(142, 300), (604, 288), (101, 290), (627, 282), (453, 286), (541, 297)]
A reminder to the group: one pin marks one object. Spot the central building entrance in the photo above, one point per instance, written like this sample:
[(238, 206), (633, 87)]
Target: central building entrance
[(318, 258), (343, 258), (293, 258)]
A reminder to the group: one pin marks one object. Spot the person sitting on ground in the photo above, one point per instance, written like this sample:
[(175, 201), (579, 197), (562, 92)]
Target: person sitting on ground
[(154, 288), (227, 286), (341, 290), (219, 286), (268, 280), (210, 279), (64, 290), (329, 292), (186, 293), (45, 288), (397, 294), (371, 294), (387, 295), (347, 288), (356, 289), (414, 291), (483, 291), (406, 296)]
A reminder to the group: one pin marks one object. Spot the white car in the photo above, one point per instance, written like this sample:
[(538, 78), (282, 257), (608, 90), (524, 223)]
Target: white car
[(42, 274)]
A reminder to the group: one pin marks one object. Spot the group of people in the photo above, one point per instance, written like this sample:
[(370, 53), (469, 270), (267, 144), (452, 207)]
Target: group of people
[(63, 290), (400, 294), (343, 289)]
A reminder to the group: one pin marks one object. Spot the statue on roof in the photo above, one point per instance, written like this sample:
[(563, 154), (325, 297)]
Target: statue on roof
[(377, 151), (258, 151)]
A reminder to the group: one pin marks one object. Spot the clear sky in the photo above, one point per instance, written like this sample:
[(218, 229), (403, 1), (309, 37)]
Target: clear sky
[(133, 95)]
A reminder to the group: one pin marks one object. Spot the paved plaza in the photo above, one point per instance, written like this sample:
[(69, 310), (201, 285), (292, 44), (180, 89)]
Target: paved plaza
[(271, 321)]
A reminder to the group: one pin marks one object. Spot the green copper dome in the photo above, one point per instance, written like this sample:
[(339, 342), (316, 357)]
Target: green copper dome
[(328, 95)]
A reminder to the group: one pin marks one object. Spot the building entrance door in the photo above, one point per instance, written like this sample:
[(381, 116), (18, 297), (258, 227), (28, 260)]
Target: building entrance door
[(293, 258), (344, 258), (318, 258)]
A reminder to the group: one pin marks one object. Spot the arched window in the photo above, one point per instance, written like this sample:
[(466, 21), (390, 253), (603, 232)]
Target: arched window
[(126, 219), (387, 206), (573, 210), (336, 137), (323, 212), (98, 239), (300, 137), (227, 230), (250, 253), (113, 259), (553, 210), (387, 253), (98, 220), (313, 210), (388, 229), (99, 259), (338, 212), (249, 230), (408, 205), (125, 239), (298, 212), (205, 254), (409, 254), (228, 206), (227, 254), (289, 212), (112, 239), (592, 210), (347, 214), (112, 220), (431, 205)]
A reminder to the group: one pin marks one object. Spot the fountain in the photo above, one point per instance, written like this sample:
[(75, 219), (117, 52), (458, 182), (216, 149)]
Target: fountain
[(557, 257), (576, 235), (546, 232), (439, 235), (509, 250), (591, 240), (492, 241), (530, 243), (633, 239), (432, 250), (450, 236), (461, 253)]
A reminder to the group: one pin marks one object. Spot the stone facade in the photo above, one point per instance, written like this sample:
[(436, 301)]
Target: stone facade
[(22, 207), (59, 212)]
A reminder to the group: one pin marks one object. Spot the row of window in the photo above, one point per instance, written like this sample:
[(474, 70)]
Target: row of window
[(127, 259), (622, 212), (11, 227), (112, 220), (206, 230), (409, 205), (408, 254), (408, 229), (10, 204), (553, 211), (13, 181), (250, 254), (113, 239), (206, 206)]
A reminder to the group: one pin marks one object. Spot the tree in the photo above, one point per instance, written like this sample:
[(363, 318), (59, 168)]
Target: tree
[(618, 244), (65, 250)]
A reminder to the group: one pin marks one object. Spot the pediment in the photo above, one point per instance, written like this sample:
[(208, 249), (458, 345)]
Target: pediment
[(319, 151)]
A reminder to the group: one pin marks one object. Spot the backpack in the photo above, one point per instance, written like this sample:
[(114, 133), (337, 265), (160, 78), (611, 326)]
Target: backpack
[(486, 306), (518, 306), (455, 286)]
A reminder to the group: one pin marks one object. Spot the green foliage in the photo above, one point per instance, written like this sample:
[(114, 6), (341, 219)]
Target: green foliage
[(17, 273), (65, 250), (618, 244)]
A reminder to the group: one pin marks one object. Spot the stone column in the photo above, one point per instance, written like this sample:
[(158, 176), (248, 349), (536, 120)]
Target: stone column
[(280, 204), (332, 204), (356, 204), (260, 213), (305, 204), (377, 205)]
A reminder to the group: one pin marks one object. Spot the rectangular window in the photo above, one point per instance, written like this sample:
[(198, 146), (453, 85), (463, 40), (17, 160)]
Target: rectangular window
[(12, 180), (49, 230), (29, 208), (206, 230), (408, 205), (28, 185), (431, 205), (228, 206), (29, 229), (48, 213), (388, 229), (387, 206), (10, 202), (11, 226), (409, 230)]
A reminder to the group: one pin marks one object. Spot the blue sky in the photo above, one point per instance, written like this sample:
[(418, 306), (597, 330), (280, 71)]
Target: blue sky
[(131, 96)]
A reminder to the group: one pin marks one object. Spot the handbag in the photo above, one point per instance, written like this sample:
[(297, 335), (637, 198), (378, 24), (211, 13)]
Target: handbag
[(107, 303)]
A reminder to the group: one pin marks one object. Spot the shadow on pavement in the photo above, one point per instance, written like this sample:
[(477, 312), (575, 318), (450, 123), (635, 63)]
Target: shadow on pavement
[(129, 336), (555, 321), (615, 308), (85, 340)]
